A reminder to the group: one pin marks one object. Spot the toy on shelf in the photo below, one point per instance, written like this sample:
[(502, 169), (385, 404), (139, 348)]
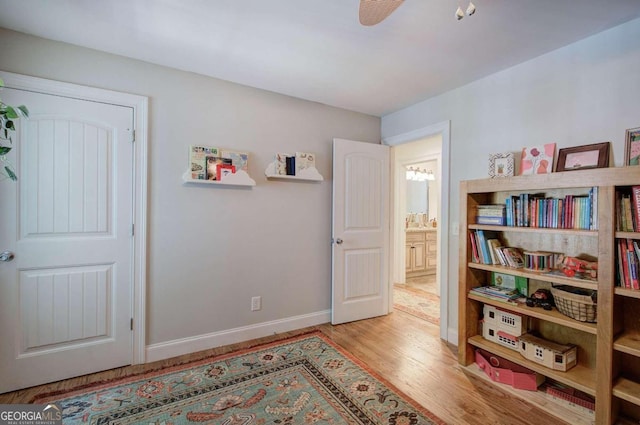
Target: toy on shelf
[(575, 267), (550, 354), (507, 372)]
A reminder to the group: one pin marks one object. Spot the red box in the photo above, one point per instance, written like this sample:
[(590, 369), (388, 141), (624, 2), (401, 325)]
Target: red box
[(507, 372)]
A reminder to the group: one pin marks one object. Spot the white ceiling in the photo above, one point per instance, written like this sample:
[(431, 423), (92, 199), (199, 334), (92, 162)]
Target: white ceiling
[(316, 49)]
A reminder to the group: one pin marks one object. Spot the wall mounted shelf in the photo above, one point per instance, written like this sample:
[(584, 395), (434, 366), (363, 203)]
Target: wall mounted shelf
[(239, 178), (308, 174)]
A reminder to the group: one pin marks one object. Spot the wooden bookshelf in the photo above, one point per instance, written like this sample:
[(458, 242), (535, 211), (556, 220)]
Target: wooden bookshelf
[(611, 347)]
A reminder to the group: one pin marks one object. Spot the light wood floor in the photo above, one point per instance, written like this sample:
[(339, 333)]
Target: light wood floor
[(404, 350)]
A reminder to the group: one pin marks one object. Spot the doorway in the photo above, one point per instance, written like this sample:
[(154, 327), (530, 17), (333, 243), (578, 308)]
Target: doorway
[(422, 145)]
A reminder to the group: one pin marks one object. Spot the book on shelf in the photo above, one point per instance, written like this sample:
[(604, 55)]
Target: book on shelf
[(519, 283), (198, 160), (514, 257), (635, 201), (499, 294), (628, 263), (304, 160), (281, 164), (240, 160)]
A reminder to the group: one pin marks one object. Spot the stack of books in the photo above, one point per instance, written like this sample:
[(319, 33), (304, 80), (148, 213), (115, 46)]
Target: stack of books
[(491, 214), (498, 293), (628, 210)]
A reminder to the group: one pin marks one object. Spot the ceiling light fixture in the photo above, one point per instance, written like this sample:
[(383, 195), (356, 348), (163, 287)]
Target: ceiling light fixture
[(418, 175), (471, 9)]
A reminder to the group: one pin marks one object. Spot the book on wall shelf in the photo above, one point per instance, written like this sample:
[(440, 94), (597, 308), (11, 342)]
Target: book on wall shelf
[(214, 166), (300, 166)]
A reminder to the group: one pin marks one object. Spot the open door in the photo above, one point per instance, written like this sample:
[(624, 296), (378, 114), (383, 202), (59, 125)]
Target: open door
[(360, 248)]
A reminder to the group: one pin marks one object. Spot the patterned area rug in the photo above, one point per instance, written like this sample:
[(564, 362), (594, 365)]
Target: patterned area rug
[(302, 380), (417, 303)]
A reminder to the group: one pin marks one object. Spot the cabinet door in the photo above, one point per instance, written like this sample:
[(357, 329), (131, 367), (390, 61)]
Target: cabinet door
[(419, 256), (408, 258)]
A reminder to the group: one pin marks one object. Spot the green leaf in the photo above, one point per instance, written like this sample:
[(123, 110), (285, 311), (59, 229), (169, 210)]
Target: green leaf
[(10, 173), (11, 113), (10, 125), (24, 110), (1, 82), (5, 150)]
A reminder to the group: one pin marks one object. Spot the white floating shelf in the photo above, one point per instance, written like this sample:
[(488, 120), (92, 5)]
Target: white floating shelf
[(308, 174), (239, 178)]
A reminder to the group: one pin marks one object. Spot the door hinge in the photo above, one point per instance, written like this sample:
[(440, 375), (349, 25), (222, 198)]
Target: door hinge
[(133, 136), (131, 323), (133, 229)]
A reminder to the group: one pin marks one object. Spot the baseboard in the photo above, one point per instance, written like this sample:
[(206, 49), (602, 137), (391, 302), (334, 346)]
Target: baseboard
[(179, 347), (452, 336)]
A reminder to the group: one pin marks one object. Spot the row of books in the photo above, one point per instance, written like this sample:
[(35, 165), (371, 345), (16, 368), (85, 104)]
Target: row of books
[(628, 210), (628, 263), (291, 165), (486, 248), (536, 210), (211, 163)]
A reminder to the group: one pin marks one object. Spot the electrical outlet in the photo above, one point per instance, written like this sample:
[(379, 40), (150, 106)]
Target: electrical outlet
[(256, 303)]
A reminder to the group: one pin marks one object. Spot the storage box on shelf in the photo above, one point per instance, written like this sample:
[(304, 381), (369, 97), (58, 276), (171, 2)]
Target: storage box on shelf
[(612, 345)]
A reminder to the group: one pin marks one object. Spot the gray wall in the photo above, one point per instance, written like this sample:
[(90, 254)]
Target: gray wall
[(210, 249), (584, 93)]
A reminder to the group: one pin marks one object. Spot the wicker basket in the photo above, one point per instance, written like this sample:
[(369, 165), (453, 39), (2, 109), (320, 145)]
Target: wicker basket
[(579, 304)]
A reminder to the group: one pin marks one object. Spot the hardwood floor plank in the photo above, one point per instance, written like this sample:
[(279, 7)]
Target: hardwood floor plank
[(404, 350)]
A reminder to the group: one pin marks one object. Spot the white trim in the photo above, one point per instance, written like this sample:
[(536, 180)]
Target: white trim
[(139, 105), (444, 129), (179, 347)]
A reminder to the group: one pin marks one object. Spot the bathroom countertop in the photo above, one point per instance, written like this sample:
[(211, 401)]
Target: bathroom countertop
[(421, 229)]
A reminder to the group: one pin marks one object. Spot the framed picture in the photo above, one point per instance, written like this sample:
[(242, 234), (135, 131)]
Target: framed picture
[(537, 160), (582, 157), (501, 165), (632, 147)]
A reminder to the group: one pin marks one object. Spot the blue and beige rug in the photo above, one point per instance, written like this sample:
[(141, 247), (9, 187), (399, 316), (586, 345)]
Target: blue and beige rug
[(302, 380)]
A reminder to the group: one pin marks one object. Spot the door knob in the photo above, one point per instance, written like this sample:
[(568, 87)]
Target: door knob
[(339, 241), (6, 256)]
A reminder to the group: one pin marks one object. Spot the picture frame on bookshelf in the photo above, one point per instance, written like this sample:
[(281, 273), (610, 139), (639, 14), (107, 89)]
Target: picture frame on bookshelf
[(595, 155), (537, 159), (632, 146), (501, 165)]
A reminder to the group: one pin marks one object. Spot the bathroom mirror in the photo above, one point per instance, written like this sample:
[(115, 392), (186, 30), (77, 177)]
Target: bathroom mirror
[(418, 197)]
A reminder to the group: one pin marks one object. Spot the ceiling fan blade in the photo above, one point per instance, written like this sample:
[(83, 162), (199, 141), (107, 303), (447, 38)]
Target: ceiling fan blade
[(375, 11)]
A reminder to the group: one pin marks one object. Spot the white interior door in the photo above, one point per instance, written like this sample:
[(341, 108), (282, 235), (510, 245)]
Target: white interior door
[(66, 297), (360, 249)]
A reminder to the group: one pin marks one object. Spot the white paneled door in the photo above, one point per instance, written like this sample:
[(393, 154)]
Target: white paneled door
[(360, 248), (66, 297)]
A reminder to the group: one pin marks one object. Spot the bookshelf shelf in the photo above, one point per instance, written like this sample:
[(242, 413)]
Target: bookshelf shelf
[(631, 293), (608, 351), (580, 283), (628, 235), (553, 316), (627, 390), (557, 408), (537, 230), (628, 342), (579, 377)]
